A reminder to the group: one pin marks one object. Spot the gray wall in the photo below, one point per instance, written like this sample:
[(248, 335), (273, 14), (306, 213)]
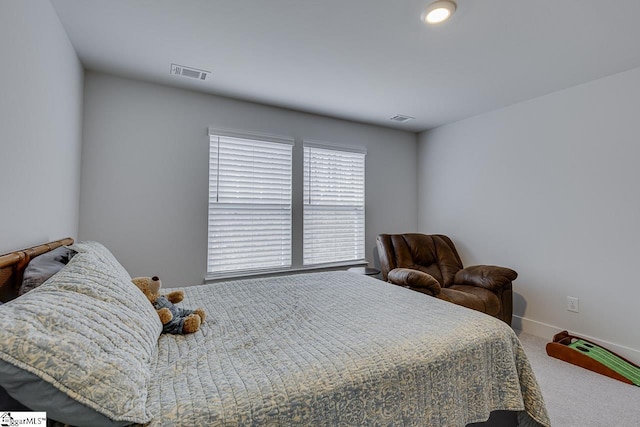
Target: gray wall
[(145, 171), (548, 187), (40, 126)]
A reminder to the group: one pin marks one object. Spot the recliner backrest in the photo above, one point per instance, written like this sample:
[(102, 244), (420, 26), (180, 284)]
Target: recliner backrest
[(434, 254)]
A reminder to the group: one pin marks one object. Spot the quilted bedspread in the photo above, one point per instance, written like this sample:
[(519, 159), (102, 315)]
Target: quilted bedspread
[(338, 349)]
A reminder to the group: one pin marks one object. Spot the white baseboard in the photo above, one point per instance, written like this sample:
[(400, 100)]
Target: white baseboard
[(546, 331)]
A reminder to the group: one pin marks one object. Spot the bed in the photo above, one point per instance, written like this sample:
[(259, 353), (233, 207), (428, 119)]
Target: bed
[(323, 349)]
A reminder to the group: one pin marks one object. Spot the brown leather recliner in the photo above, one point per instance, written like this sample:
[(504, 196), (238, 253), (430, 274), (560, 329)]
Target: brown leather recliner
[(430, 264)]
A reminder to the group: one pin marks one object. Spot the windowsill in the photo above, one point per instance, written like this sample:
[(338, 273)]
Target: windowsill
[(212, 278)]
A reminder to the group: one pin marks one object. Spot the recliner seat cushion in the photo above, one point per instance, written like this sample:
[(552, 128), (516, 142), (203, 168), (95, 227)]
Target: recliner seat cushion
[(490, 302), (458, 297)]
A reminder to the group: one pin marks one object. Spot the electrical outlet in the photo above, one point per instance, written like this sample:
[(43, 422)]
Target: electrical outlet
[(572, 304)]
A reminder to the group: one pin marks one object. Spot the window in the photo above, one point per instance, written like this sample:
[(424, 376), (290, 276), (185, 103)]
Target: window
[(249, 202), (333, 205)]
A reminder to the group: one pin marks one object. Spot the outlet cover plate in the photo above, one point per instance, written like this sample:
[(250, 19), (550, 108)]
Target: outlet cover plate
[(573, 304)]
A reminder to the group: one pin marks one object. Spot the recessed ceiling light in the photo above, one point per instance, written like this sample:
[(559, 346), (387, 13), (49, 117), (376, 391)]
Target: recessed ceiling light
[(438, 11)]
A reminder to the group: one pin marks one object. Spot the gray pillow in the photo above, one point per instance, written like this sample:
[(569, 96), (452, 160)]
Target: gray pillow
[(102, 253), (84, 340), (42, 267), (23, 386)]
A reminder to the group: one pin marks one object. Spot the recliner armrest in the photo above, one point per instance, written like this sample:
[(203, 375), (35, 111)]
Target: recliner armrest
[(410, 278), (490, 277)]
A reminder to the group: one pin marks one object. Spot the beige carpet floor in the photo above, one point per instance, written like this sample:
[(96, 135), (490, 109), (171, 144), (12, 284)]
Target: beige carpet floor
[(576, 397)]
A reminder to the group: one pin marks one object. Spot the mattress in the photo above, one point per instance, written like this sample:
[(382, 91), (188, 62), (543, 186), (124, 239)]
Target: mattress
[(338, 349)]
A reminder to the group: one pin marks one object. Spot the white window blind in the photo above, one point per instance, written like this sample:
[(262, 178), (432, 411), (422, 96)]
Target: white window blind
[(249, 203), (333, 205)]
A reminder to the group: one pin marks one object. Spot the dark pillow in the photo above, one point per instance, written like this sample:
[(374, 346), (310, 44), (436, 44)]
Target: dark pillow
[(8, 403), (42, 267)]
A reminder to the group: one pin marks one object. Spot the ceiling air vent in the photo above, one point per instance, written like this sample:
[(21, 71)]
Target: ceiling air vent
[(401, 119), (193, 73)]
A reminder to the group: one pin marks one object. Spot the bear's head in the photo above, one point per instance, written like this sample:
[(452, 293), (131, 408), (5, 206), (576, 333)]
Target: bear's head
[(150, 286)]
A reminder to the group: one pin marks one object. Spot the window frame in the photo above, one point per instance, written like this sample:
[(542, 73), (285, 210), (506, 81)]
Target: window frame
[(360, 259), (254, 207)]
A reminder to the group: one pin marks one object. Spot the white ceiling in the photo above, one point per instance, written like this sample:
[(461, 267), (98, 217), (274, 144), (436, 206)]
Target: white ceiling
[(362, 60)]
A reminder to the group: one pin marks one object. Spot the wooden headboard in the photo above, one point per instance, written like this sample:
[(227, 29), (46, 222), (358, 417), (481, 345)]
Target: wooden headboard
[(12, 266)]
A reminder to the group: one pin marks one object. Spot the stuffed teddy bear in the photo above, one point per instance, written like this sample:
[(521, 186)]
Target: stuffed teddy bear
[(175, 320)]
